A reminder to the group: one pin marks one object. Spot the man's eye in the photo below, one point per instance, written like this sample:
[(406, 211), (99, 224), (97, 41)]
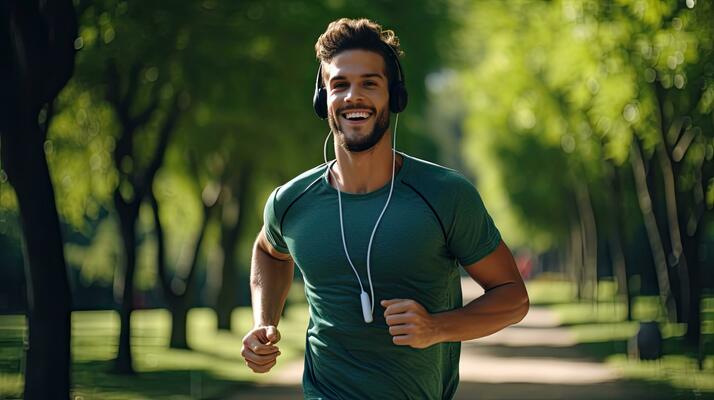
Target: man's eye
[(339, 85), (370, 83)]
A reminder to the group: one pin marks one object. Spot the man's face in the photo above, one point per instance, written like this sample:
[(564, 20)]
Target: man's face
[(357, 98)]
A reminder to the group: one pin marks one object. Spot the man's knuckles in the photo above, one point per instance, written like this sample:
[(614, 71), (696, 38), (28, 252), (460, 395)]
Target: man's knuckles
[(401, 340), (259, 348), (402, 318), (263, 362), (259, 358), (260, 368), (260, 363)]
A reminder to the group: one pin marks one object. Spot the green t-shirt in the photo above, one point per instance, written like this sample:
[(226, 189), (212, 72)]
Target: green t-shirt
[(435, 221)]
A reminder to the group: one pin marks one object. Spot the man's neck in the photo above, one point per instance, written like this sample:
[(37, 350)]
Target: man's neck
[(365, 171)]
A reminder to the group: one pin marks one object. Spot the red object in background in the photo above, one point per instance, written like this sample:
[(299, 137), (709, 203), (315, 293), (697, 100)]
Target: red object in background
[(524, 262)]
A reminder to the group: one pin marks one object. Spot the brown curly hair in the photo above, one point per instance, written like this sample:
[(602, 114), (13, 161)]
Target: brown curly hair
[(348, 34)]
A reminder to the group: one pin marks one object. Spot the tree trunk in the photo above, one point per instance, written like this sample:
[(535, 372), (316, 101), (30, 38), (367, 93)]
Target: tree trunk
[(615, 242), (670, 167), (676, 259), (179, 300), (233, 223), (48, 292), (123, 363), (225, 300), (179, 319), (589, 239), (691, 249), (37, 53), (653, 235), (179, 303), (140, 184), (575, 258)]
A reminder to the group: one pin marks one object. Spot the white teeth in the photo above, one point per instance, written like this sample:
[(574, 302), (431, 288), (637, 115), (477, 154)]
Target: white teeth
[(361, 114)]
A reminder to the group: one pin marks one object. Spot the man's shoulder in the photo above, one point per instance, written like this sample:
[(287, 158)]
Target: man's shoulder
[(294, 188), (434, 177), (446, 190)]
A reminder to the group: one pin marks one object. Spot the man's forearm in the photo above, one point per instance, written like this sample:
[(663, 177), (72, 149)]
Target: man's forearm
[(270, 281), (496, 309)]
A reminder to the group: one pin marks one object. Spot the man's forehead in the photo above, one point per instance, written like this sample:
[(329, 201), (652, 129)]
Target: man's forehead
[(355, 63)]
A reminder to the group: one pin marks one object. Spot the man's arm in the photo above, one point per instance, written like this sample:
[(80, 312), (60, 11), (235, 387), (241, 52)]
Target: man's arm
[(271, 274), (504, 303)]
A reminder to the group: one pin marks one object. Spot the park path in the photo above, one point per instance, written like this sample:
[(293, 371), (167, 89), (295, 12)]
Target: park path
[(534, 359)]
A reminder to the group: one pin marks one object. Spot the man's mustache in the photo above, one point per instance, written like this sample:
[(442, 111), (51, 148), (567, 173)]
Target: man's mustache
[(356, 107)]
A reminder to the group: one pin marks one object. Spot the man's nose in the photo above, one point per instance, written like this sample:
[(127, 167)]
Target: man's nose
[(353, 94)]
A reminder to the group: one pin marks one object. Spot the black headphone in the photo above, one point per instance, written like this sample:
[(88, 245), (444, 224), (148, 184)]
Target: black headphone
[(397, 90)]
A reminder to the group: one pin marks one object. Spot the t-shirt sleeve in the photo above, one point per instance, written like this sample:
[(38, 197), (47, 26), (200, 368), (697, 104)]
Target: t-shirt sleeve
[(271, 223), (472, 235)]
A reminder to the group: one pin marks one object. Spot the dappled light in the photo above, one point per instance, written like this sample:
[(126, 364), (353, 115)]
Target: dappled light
[(140, 142)]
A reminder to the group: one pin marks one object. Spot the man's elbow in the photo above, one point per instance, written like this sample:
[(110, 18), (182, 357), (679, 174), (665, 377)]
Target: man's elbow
[(523, 305)]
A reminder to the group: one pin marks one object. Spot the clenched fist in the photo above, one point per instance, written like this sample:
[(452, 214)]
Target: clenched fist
[(259, 349), (410, 324)]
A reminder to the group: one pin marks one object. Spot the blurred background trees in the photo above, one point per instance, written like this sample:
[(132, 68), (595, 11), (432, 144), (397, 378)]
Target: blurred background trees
[(589, 126), (586, 125)]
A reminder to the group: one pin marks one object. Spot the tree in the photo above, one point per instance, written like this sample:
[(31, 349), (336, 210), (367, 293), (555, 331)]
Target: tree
[(144, 89), (180, 289), (37, 39), (626, 86)]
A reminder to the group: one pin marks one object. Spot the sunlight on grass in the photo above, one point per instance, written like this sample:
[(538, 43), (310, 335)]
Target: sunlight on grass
[(678, 370), (213, 366), (550, 291), (602, 330), (12, 338)]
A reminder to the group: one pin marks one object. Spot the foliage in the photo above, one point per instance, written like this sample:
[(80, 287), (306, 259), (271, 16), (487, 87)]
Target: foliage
[(556, 91), (248, 69)]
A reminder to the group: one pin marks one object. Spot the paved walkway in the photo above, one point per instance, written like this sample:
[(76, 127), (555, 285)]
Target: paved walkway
[(534, 359)]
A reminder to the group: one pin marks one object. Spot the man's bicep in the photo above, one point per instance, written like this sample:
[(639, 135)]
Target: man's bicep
[(495, 269), (264, 244)]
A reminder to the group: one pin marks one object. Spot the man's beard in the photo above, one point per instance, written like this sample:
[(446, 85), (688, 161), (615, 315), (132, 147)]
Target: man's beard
[(359, 144)]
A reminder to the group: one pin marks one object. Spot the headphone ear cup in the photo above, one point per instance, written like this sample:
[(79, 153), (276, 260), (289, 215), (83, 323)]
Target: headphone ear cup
[(398, 98), (319, 102)]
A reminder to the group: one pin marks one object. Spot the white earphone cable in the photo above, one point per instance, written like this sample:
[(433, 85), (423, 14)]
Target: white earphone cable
[(389, 198), (379, 219), (339, 202)]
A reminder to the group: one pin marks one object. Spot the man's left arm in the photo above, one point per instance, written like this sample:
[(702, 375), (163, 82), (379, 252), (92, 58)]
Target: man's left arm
[(504, 303)]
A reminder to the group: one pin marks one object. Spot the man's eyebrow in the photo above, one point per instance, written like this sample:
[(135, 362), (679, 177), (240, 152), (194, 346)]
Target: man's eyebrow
[(373, 75), (370, 75)]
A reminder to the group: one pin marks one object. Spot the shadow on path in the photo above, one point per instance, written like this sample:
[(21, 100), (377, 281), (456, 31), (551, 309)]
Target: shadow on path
[(600, 391), (512, 391), (535, 359)]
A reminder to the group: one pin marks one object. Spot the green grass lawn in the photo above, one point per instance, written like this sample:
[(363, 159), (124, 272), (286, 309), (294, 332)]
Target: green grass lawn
[(213, 366)]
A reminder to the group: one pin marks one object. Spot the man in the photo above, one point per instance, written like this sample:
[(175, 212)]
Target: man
[(386, 314)]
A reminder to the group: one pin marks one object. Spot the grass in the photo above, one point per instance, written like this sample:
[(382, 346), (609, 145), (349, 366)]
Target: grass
[(602, 332), (212, 368)]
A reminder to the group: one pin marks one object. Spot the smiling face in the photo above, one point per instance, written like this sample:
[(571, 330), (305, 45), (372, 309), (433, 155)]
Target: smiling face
[(357, 98)]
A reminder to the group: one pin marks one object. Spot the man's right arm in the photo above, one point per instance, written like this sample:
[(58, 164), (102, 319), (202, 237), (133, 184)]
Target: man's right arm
[(271, 274)]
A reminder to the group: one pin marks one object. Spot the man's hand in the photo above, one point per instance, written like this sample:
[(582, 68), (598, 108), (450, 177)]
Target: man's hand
[(410, 324), (259, 350)]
